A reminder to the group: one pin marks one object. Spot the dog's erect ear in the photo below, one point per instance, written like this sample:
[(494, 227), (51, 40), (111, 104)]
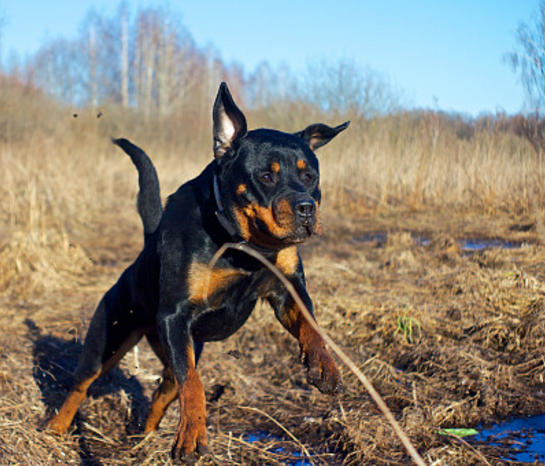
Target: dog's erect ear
[(229, 121), (319, 135)]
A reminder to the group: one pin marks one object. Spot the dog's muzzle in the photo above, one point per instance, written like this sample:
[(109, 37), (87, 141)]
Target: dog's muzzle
[(297, 213)]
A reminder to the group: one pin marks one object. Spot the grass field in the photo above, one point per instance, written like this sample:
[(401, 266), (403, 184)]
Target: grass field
[(448, 338)]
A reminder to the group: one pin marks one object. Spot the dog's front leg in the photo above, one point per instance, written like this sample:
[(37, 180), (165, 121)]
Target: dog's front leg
[(322, 372), (191, 441)]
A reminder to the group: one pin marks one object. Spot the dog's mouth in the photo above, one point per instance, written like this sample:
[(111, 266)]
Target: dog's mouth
[(297, 235)]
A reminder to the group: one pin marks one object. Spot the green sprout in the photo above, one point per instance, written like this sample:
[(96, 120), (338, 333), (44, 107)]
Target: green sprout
[(406, 325)]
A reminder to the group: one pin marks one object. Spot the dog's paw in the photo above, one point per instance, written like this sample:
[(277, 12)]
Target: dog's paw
[(322, 372), (188, 456), (57, 425), (181, 457), (191, 441)]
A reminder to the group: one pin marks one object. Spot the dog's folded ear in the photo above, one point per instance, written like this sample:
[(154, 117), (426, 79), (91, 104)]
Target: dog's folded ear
[(229, 122), (318, 134)]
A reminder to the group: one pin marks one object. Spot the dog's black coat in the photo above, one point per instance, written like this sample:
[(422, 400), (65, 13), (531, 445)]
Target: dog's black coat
[(263, 189)]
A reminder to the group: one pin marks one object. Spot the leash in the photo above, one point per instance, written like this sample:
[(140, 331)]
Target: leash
[(231, 229)]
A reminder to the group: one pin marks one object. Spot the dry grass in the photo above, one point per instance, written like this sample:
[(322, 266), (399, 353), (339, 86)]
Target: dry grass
[(397, 162), (448, 339), (474, 356)]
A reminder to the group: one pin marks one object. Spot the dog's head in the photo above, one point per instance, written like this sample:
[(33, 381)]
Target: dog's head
[(268, 181)]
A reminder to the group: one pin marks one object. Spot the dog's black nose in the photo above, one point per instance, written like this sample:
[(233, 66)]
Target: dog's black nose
[(305, 209)]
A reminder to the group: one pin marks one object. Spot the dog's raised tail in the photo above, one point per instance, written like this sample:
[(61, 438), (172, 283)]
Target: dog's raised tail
[(149, 197)]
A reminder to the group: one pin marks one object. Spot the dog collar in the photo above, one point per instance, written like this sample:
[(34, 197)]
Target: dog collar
[(220, 214), (230, 228)]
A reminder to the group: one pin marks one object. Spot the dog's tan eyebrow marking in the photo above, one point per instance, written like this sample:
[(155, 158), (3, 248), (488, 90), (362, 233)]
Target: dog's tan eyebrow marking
[(275, 167), (241, 189), (301, 164)]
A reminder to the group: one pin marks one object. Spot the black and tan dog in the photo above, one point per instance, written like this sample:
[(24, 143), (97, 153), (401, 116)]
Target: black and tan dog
[(262, 189)]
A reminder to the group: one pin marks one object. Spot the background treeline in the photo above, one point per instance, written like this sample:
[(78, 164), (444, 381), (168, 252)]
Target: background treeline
[(148, 61)]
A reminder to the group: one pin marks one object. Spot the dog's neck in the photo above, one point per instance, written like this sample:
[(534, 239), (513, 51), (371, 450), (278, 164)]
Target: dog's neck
[(230, 228)]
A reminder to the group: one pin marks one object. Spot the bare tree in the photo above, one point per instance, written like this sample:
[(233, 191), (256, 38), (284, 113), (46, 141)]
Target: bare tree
[(166, 64), (345, 87), (148, 61), (528, 60), (58, 67), (93, 66), (124, 59), (268, 84)]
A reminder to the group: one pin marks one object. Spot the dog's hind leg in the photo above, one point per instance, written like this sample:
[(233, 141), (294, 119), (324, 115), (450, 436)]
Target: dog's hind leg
[(166, 392), (113, 331)]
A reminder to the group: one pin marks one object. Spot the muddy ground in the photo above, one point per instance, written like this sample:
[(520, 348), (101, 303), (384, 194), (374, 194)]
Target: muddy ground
[(449, 338)]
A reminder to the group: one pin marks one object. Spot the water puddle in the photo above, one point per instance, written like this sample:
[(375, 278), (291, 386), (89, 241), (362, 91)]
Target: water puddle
[(466, 244), (291, 457), (477, 244), (526, 438)]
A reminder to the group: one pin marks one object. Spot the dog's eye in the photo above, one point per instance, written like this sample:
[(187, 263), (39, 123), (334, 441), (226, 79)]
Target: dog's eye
[(267, 178), (307, 178)]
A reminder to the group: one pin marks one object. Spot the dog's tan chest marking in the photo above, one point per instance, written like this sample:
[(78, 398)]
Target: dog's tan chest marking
[(287, 261), (203, 282)]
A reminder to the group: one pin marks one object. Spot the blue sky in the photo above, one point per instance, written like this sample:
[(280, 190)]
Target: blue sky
[(445, 54)]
